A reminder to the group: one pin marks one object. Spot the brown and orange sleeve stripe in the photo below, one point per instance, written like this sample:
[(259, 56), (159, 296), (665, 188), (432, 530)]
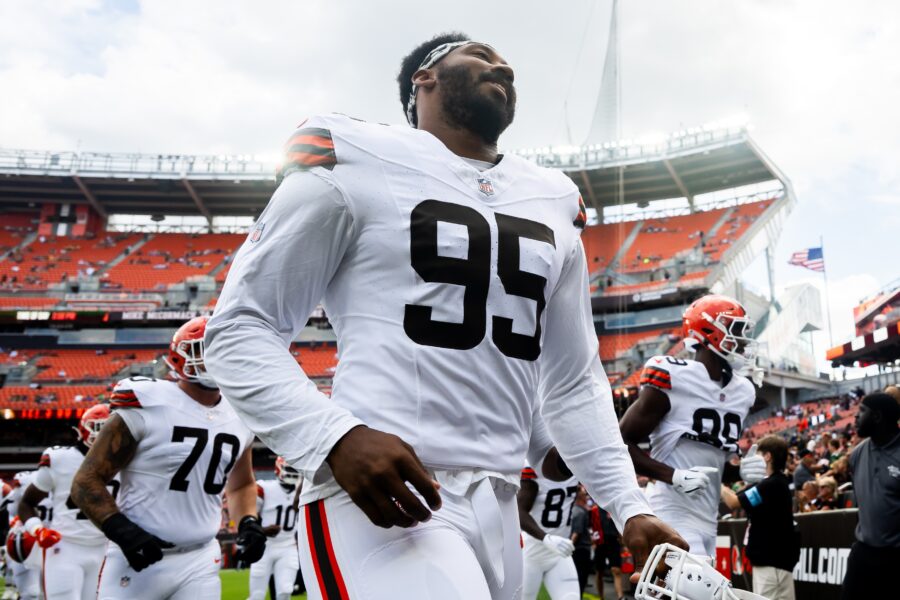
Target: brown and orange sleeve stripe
[(124, 399), (656, 377), (528, 474), (308, 147)]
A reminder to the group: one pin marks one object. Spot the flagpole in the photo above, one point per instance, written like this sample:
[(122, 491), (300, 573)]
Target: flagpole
[(827, 302)]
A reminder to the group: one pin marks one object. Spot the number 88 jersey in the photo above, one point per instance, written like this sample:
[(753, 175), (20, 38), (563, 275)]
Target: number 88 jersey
[(173, 485), (702, 428)]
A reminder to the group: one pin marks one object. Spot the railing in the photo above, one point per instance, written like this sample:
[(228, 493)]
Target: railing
[(109, 164)]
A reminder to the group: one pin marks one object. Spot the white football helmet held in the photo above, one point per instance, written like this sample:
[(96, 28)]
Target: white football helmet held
[(690, 577)]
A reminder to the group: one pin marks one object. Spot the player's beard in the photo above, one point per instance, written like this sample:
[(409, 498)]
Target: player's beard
[(466, 107)]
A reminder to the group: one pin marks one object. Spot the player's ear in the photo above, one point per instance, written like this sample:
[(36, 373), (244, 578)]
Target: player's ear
[(425, 78)]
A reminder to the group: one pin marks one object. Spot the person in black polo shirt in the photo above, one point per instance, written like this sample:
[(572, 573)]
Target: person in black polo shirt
[(875, 469), (773, 548)]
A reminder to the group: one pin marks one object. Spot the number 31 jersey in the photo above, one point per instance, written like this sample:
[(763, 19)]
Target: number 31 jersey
[(435, 276), (702, 428), (174, 484)]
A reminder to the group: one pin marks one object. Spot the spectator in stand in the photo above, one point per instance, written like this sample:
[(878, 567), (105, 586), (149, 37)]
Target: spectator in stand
[(581, 536), (773, 547), (893, 391), (840, 470), (875, 469), (804, 471), (827, 498), (807, 496)]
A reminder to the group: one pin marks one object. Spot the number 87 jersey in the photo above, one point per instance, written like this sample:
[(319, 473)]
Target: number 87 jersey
[(174, 484), (443, 282)]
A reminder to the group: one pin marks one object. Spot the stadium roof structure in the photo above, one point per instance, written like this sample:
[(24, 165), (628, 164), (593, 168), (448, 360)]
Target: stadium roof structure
[(681, 165)]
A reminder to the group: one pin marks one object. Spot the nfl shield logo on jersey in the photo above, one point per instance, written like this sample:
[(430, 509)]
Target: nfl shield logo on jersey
[(722, 397), (485, 185), (125, 581), (257, 232)]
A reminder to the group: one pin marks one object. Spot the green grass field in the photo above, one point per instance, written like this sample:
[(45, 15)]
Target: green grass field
[(235, 586)]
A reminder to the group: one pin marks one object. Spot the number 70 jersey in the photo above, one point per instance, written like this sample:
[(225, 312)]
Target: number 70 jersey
[(174, 484)]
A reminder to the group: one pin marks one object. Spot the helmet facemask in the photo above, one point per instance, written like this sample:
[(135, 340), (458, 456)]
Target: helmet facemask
[(737, 347), (193, 369), (92, 427)]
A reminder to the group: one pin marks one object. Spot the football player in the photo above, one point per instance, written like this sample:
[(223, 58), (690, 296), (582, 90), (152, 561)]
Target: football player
[(545, 514), (278, 516), (694, 411), (456, 282), (73, 549), (24, 564), (176, 446)]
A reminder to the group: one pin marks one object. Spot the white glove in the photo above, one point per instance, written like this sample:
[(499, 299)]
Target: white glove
[(560, 545), (691, 482), (753, 466)]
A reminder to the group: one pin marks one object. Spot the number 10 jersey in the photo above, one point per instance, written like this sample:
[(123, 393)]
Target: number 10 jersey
[(173, 485)]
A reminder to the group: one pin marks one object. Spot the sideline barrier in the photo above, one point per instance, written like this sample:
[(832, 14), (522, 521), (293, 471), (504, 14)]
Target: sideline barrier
[(825, 541)]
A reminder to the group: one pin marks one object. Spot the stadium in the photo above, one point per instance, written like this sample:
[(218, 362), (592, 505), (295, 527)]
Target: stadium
[(104, 255)]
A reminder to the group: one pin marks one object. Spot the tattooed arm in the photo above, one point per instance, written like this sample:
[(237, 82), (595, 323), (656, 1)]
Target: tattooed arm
[(111, 452)]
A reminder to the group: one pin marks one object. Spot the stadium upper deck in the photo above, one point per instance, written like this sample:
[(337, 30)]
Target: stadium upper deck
[(643, 258)]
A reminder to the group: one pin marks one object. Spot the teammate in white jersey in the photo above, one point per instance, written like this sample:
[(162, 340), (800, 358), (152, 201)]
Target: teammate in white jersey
[(545, 513), (693, 412), (26, 573), (457, 285), (176, 446), (74, 548), (278, 513)]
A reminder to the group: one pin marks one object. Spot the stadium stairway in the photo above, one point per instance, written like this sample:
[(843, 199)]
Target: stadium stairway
[(124, 254), (718, 224), (25, 241), (626, 244)]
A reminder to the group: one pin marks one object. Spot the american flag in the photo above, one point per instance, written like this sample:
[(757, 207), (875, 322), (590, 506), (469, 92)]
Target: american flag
[(811, 258)]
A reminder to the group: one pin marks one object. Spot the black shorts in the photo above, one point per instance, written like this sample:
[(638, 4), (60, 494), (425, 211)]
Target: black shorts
[(609, 552)]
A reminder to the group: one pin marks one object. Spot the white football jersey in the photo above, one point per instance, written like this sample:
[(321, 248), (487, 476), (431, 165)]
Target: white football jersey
[(54, 475), (173, 486), (702, 428), (275, 505), (20, 483), (435, 276), (552, 508)]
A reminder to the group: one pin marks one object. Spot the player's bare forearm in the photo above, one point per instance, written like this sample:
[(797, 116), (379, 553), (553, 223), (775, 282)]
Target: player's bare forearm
[(241, 488), (525, 500), (29, 502), (111, 452), (648, 467), (637, 423), (554, 468)]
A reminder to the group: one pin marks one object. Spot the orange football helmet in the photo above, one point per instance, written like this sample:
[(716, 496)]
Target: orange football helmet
[(91, 422), (185, 356), (721, 324)]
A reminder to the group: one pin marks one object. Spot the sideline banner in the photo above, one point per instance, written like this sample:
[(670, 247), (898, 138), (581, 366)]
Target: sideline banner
[(825, 540)]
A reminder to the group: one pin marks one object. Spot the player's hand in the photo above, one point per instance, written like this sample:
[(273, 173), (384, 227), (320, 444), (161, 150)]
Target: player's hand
[(691, 482), (47, 537), (643, 533), (560, 545), (141, 548), (272, 530), (373, 467), (753, 466), (251, 540)]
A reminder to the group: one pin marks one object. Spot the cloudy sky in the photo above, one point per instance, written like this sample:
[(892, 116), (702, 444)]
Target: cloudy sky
[(818, 81)]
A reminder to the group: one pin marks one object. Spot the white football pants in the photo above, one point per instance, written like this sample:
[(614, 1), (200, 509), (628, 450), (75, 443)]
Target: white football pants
[(280, 560), (26, 579), (557, 573), (469, 550), (192, 575), (71, 571)]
